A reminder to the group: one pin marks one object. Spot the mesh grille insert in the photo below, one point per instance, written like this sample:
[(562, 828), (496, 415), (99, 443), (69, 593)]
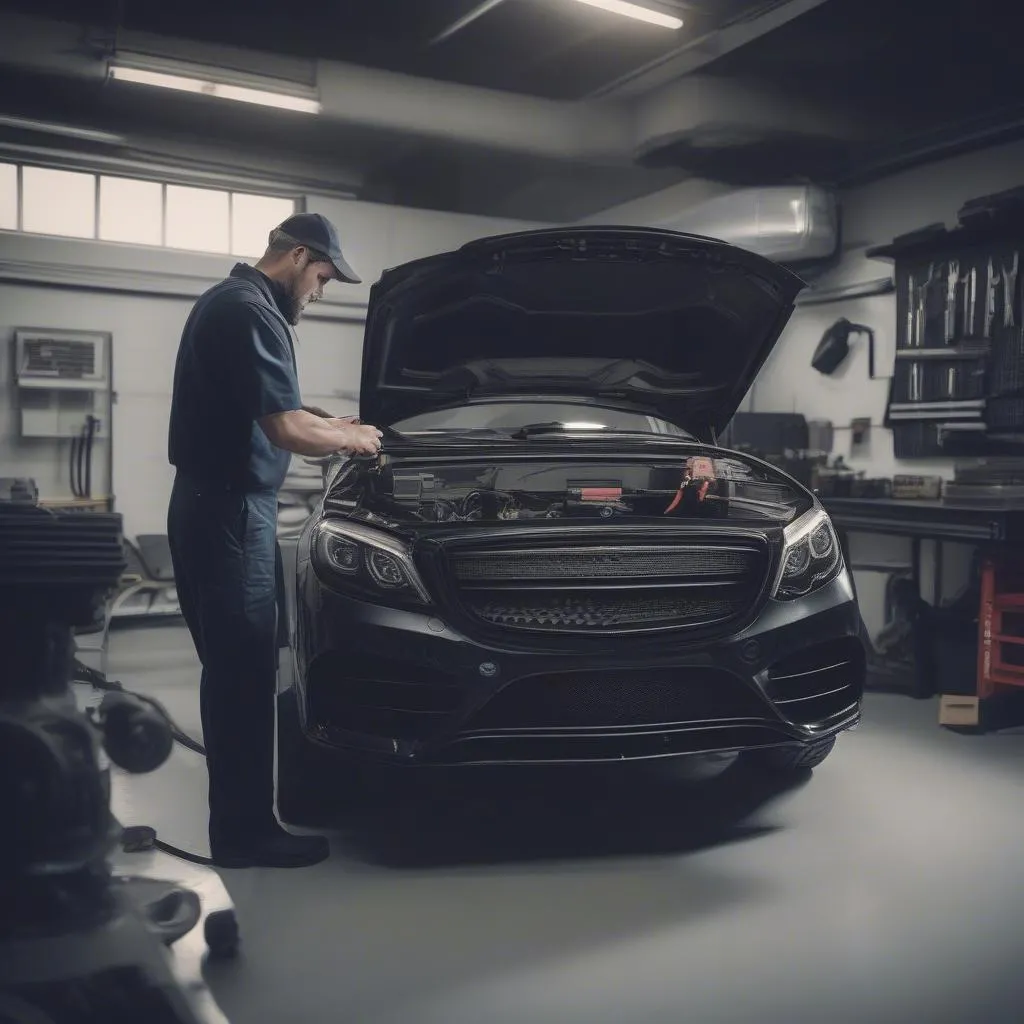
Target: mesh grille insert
[(598, 611), (602, 563)]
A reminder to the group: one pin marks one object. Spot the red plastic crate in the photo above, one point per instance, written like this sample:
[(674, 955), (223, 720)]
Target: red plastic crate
[(1000, 626)]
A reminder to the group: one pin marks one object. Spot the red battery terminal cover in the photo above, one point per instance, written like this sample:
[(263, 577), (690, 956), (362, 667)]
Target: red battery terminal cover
[(698, 476), (600, 493)]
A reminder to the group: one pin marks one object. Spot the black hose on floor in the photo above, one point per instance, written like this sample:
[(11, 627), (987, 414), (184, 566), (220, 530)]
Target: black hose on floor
[(84, 674), (140, 838)]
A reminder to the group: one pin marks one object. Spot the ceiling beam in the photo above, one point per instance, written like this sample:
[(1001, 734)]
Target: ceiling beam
[(696, 53)]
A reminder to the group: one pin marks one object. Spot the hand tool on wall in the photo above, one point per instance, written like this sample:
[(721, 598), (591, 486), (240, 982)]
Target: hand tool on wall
[(991, 284), (952, 283), (911, 302), (934, 302), (1009, 275), (970, 283), (921, 310), (916, 382)]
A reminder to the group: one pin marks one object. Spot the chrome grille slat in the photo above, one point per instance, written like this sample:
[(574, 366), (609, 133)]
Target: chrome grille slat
[(814, 696), (810, 672), (588, 586)]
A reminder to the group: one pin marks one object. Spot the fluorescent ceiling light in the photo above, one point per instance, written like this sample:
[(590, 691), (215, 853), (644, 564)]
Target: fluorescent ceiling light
[(219, 90), (628, 10)]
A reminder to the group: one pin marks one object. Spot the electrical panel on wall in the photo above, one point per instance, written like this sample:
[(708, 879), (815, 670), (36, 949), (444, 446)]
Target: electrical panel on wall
[(61, 360), (63, 382)]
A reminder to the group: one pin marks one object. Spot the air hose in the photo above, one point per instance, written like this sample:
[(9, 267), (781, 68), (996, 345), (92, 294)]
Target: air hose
[(140, 838)]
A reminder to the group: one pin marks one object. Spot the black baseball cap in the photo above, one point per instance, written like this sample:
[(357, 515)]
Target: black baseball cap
[(317, 232)]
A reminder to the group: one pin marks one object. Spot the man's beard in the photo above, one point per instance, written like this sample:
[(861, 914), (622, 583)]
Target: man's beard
[(293, 309)]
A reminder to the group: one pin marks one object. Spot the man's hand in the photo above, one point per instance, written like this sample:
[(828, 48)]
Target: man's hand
[(359, 438), (343, 421)]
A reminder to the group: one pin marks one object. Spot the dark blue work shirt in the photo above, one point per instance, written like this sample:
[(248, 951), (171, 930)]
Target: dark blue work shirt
[(236, 364)]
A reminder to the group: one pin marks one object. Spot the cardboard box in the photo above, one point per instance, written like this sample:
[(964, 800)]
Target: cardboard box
[(959, 711)]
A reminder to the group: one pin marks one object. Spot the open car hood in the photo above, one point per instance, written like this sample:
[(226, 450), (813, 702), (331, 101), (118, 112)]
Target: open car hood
[(676, 324)]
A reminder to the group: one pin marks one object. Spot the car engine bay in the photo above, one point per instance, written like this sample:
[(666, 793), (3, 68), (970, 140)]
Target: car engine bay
[(604, 489)]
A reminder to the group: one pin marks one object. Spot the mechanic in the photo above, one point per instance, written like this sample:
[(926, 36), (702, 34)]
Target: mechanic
[(236, 417)]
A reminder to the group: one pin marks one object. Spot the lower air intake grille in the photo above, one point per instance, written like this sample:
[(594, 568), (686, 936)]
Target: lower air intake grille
[(819, 682), (620, 699)]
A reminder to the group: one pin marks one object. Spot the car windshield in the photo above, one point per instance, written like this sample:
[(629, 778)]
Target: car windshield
[(510, 417)]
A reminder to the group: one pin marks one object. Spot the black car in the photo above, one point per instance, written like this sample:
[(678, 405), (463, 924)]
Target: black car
[(552, 561)]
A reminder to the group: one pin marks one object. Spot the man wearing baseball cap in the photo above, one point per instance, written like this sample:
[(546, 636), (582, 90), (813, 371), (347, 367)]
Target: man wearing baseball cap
[(236, 418)]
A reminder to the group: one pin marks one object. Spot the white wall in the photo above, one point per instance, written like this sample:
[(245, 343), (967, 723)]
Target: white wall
[(660, 207), (142, 298)]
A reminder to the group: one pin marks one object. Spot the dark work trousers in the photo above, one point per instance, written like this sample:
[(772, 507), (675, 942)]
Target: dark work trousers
[(226, 563)]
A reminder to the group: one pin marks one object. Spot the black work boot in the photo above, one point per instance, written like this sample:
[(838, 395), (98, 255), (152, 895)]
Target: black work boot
[(269, 847)]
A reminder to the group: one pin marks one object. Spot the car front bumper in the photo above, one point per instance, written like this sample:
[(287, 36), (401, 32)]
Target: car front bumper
[(404, 687)]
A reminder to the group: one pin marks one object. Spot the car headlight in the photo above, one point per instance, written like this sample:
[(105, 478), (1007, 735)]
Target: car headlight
[(367, 560), (811, 556)]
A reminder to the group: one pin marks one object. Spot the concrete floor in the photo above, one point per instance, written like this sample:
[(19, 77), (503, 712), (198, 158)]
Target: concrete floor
[(888, 888)]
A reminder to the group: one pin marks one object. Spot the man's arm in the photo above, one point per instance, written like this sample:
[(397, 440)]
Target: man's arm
[(272, 396), (303, 433)]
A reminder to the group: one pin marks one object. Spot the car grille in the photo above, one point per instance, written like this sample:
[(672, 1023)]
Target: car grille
[(595, 589), (620, 698)]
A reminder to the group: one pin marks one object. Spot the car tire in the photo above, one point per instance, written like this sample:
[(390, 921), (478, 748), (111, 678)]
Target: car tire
[(310, 781), (797, 758)]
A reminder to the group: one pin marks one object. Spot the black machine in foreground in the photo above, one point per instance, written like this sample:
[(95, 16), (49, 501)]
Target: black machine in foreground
[(77, 943)]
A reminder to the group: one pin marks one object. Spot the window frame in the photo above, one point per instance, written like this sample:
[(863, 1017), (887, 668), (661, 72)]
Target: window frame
[(98, 172)]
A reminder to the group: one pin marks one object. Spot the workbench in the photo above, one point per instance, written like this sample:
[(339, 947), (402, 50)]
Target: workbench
[(992, 530), (935, 521)]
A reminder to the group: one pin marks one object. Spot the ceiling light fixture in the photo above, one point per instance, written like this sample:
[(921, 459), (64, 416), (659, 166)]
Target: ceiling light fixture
[(218, 90), (637, 12)]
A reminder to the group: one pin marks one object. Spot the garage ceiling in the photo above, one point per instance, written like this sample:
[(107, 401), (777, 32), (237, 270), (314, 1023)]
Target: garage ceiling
[(928, 83), (537, 109), (557, 49)]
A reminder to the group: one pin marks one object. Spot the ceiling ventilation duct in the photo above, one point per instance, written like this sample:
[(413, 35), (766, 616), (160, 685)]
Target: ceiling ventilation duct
[(790, 224)]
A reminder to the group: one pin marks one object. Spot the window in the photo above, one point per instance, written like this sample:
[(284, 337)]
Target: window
[(252, 220), (58, 202), (197, 219), (131, 211), (112, 208), (8, 197)]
